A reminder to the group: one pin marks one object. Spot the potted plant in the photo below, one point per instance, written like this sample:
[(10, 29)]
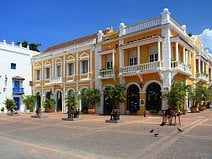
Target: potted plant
[(176, 96), (48, 105), (29, 101), (72, 104), (92, 96), (2, 109), (10, 105), (115, 95)]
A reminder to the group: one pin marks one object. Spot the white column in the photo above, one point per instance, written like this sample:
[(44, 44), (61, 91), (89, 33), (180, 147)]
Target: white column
[(113, 59), (184, 55), (203, 67), (189, 58), (121, 58), (139, 55), (159, 58), (100, 62), (91, 59), (77, 66), (199, 71), (177, 51), (52, 75), (64, 85)]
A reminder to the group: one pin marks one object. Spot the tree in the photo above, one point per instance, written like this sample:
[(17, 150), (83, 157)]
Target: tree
[(72, 100), (92, 96), (32, 46), (176, 96), (115, 95), (29, 101), (48, 104), (10, 105)]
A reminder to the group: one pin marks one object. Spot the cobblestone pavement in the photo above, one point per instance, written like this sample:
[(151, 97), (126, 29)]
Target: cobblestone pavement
[(23, 137)]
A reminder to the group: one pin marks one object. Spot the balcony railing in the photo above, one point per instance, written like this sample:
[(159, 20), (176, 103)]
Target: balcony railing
[(84, 76), (108, 73), (203, 77), (18, 90), (57, 80), (144, 25), (142, 68), (177, 65)]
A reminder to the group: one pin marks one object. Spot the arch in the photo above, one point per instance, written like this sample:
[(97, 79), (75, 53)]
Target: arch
[(153, 97), (133, 98), (70, 89), (47, 94), (38, 100), (131, 83), (58, 60), (149, 82), (59, 97), (47, 64), (37, 66), (83, 102)]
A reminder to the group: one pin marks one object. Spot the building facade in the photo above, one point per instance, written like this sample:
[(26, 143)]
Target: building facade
[(145, 58), (15, 73)]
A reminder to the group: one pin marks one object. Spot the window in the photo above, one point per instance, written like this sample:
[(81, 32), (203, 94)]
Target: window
[(133, 61), (13, 66), (37, 74), (70, 69), (153, 57), (85, 66), (132, 58), (109, 63), (58, 71), (47, 73)]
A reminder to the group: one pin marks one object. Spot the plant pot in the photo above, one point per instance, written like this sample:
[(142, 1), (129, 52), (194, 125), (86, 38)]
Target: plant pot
[(48, 110), (91, 111), (193, 109), (184, 112), (201, 108), (27, 111)]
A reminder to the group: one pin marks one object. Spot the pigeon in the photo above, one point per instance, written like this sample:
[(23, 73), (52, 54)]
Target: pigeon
[(151, 131), (180, 130), (156, 135)]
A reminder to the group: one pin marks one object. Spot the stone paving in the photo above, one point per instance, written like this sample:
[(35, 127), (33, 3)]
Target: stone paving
[(23, 137)]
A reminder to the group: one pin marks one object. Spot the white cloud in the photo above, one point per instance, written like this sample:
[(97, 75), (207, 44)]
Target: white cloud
[(206, 39)]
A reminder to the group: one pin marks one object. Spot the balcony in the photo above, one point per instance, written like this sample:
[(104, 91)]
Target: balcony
[(57, 80), (85, 76), (108, 73), (18, 90), (141, 69), (202, 77), (181, 67)]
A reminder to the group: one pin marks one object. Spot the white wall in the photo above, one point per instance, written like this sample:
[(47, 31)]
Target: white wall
[(22, 57)]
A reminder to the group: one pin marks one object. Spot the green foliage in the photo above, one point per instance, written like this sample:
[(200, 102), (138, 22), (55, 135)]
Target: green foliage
[(200, 95), (48, 104), (72, 100), (10, 104), (29, 101), (176, 96), (32, 46), (115, 94), (92, 96), (2, 109)]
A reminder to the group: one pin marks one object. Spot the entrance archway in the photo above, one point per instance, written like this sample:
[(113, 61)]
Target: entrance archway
[(133, 99), (107, 107), (84, 103), (59, 101), (38, 100), (153, 97)]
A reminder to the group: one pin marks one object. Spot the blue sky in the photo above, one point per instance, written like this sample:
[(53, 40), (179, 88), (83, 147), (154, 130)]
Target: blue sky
[(51, 22)]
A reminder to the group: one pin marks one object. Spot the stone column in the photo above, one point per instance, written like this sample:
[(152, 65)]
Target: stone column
[(138, 55), (113, 59), (177, 52), (184, 53), (159, 56), (199, 71)]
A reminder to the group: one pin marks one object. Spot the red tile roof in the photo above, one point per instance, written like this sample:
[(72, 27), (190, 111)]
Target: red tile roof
[(75, 41)]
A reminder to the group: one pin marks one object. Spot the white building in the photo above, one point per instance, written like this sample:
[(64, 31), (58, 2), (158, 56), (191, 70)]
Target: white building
[(15, 73)]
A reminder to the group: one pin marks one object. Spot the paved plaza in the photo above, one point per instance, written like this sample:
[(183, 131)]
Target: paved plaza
[(23, 137)]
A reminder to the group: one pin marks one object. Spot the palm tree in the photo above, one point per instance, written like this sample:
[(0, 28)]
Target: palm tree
[(32, 46), (115, 95), (92, 95), (29, 101), (72, 103)]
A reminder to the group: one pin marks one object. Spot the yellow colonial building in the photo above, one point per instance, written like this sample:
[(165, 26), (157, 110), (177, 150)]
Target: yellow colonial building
[(145, 58)]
